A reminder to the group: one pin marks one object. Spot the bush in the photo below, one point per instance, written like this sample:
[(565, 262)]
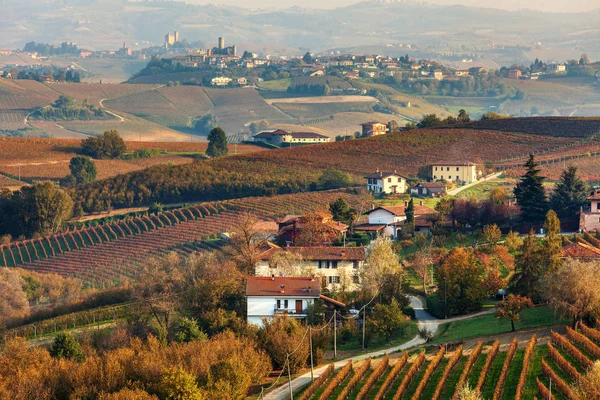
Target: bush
[(106, 146), (65, 346)]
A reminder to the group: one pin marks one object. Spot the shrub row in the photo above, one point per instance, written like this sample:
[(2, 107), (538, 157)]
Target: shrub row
[(358, 375), (592, 240), (410, 374), (317, 383), (526, 361), (468, 366), (591, 333), (586, 343), (563, 364), (567, 346), (488, 363), (557, 381), (504, 373), (392, 376), (373, 378), (428, 372), (543, 390), (451, 363), (336, 381)]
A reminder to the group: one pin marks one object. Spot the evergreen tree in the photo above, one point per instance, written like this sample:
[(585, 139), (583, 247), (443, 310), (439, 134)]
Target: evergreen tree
[(570, 194), (341, 211), (217, 143), (410, 212), (529, 267), (552, 246), (65, 346), (530, 194)]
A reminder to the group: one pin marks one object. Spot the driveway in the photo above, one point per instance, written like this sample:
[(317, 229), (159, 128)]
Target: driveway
[(456, 191), (425, 320)]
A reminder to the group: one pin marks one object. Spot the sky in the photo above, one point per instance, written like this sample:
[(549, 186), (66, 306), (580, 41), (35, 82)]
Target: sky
[(541, 5)]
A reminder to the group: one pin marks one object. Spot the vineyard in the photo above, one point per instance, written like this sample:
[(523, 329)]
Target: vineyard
[(407, 151), (520, 371), (574, 127), (113, 251)]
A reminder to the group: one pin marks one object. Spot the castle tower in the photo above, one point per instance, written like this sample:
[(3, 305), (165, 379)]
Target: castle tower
[(221, 43)]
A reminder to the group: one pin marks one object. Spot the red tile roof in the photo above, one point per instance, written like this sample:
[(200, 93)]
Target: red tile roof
[(380, 175), (595, 195), (401, 210), (329, 253), (283, 286), (580, 250)]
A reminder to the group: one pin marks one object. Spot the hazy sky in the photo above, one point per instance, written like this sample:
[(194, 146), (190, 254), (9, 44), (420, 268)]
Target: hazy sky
[(542, 5)]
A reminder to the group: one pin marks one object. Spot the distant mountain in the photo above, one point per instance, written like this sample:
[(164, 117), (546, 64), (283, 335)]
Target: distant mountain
[(431, 30)]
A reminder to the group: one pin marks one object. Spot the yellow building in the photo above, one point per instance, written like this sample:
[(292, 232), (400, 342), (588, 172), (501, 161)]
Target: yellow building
[(373, 129), (455, 172)]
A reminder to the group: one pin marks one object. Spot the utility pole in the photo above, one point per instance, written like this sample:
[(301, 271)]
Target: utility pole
[(445, 298), (364, 325), (290, 379), (312, 377), (550, 390), (334, 334)]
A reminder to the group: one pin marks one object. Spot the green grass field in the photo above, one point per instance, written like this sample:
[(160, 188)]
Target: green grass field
[(277, 85), (488, 325)]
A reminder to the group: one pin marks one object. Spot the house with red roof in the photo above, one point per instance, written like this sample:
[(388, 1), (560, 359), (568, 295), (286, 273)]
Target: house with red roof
[(381, 182), (389, 220), (338, 268), (279, 137)]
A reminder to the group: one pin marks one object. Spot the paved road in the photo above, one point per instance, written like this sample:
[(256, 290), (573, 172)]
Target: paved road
[(425, 320)]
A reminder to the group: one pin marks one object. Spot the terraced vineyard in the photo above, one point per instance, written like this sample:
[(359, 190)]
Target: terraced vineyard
[(522, 371), (111, 251)]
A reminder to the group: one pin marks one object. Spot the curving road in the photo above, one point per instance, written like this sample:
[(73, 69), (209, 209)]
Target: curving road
[(425, 320)]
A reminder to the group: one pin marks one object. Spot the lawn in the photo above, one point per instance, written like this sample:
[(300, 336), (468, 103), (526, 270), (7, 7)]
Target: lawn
[(488, 325), (278, 85), (379, 341), (482, 190)]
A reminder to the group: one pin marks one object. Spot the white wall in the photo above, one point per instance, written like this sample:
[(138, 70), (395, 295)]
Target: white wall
[(264, 306)]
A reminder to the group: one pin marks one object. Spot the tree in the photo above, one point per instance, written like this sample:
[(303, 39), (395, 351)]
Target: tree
[(460, 278), (468, 393), (286, 263), (382, 261), (531, 195), (430, 121), (82, 169), (247, 240), (13, 299), (307, 58), (65, 346), (177, 384), (388, 319), (341, 211), (410, 211), (42, 208), (552, 245), (217, 143), (584, 60), (569, 195), (392, 126), (108, 145), (205, 124), (510, 308), (529, 267), (282, 336), (513, 241), (572, 290), (189, 330), (463, 116), (333, 179), (588, 387), (492, 234)]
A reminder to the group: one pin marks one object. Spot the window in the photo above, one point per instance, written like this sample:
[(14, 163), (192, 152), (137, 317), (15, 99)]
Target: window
[(447, 168), (355, 265), (278, 304), (356, 279), (435, 177), (333, 279), (389, 180), (320, 264), (334, 264), (457, 178), (285, 304), (436, 168), (458, 169)]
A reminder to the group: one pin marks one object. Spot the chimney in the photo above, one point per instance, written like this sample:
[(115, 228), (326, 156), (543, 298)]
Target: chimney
[(343, 254), (395, 171), (272, 277), (377, 169), (282, 287)]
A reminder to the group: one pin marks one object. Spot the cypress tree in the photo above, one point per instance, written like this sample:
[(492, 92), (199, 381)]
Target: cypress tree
[(531, 195), (570, 194), (217, 143), (410, 212)]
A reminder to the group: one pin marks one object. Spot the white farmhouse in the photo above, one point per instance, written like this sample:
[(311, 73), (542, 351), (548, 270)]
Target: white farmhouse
[(337, 267), (269, 296), (386, 182), (388, 220)]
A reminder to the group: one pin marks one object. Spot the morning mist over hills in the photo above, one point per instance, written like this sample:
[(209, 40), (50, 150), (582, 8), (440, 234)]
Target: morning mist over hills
[(378, 27)]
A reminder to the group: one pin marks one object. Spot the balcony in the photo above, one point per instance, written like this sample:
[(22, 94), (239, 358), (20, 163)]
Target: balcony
[(289, 311)]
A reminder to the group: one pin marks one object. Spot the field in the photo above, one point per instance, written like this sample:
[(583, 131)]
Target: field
[(407, 151), (316, 110), (115, 250), (587, 169), (41, 159), (580, 127), (521, 370)]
